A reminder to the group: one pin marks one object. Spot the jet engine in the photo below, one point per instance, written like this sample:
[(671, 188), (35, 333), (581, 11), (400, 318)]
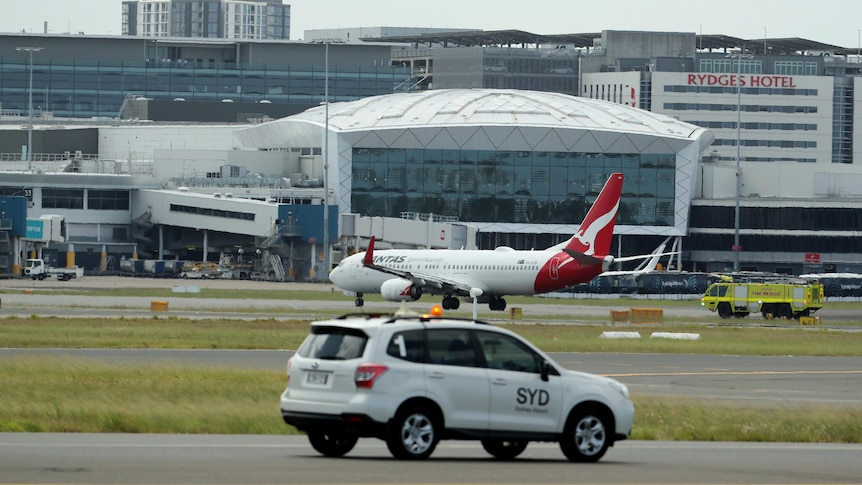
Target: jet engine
[(398, 289)]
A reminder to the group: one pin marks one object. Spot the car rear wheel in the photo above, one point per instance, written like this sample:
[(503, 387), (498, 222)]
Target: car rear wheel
[(332, 444), (585, 438), (414, 434), (504, 449)]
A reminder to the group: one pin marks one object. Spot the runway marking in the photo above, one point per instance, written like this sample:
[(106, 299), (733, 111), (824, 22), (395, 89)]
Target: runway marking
[(736, 373)]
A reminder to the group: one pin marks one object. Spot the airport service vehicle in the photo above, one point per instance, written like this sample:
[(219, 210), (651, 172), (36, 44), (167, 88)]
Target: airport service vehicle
[(487, 275), (201, 271), (413, 380), (772, 297), (38, 270)]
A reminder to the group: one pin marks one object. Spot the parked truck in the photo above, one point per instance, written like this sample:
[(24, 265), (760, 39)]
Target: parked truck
[(787, 298), (39, 270)]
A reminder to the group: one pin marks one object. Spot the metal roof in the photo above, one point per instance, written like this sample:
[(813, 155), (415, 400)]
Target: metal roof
[(489, 38), (490, 107), (520, 37)]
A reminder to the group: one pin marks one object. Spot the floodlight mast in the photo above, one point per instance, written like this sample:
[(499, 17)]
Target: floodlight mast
[(30, 50)]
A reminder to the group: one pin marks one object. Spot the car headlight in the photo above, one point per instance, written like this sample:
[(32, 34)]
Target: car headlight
[(621, 388)]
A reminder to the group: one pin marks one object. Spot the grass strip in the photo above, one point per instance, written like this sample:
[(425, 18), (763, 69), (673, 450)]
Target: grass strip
[(83, 395), (175, 333)]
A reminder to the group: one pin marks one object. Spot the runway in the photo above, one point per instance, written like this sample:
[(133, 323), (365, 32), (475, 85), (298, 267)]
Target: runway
[(237, 459)]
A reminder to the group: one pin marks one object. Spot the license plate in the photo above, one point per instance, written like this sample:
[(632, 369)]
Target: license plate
[(315, 378)]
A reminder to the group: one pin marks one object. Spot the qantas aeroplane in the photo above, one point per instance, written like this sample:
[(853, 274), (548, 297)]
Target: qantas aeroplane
[(487, 275)]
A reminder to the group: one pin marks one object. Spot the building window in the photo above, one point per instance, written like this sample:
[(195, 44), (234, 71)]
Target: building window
[(509, 186), (789, 67), (108, 199), (62, 198)]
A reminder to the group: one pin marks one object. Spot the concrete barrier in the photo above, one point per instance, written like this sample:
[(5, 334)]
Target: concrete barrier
[(676, 336), (620, 335)]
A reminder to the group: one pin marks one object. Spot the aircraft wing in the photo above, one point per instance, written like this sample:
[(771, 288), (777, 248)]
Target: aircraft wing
[(428, 283), (650, 261)]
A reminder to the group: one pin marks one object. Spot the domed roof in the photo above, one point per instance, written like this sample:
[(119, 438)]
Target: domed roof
[(472, 107)]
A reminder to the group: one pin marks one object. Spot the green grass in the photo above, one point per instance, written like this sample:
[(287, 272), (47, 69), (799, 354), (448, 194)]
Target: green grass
[(81, 395), (678, 419), (77, 395), (162, 333), (176, 333)]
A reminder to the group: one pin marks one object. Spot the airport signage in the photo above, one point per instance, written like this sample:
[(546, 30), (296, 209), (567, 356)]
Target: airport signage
[(749, 80), (812, 258), (34, 229)]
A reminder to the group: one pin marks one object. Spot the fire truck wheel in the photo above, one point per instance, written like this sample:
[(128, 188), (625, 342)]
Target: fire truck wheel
[(724, 310)]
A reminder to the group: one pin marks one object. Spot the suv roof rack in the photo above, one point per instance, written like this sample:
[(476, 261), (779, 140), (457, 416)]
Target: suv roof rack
[(427, 318), (362, 315)]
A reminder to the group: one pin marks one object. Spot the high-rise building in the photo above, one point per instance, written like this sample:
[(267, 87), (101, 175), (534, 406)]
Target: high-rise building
[(224, 19)]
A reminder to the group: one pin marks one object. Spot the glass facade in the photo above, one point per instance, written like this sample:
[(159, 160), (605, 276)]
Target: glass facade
[(94, 89), (107, 199), (509, 186), (62, 198), (551, 70)]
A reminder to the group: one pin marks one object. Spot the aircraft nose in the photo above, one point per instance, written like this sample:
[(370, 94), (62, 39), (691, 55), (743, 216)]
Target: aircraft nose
[(336, 274)]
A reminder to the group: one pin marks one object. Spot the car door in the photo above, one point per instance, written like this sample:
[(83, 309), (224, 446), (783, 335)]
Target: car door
[(520, 399), (456, 379)]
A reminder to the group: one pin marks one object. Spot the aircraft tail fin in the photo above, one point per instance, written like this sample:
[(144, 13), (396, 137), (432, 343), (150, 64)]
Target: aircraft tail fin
[(369, 253), (595, 232)]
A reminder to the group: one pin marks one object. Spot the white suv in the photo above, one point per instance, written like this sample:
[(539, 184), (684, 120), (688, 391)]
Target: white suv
[(414, 380)]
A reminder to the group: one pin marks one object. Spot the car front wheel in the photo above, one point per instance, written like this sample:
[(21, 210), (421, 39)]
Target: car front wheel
[(330, 444), (504, 449), (414, 434), (585, 438)]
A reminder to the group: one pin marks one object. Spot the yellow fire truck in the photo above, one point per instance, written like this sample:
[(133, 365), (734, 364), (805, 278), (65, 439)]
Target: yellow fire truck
[(772, 297)]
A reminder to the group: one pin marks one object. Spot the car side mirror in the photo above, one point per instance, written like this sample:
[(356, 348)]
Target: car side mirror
[(544, 369)]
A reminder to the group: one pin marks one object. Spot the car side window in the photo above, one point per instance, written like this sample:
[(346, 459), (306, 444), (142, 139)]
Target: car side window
[(451, 347), (506, 353), (409, 345)]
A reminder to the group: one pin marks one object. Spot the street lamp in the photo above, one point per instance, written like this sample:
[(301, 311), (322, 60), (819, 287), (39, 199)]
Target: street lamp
[(31, 50), (326, 162), (736, 246)]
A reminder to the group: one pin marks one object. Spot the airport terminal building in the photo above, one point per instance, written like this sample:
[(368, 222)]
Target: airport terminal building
[(502, 142)]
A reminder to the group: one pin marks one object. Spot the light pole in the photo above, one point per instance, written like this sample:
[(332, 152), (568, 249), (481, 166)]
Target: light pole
[(736, 246), (31, 50), (326, 162)]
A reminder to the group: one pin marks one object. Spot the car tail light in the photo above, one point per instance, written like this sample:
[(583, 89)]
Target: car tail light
[(289, 363), (366, 374)]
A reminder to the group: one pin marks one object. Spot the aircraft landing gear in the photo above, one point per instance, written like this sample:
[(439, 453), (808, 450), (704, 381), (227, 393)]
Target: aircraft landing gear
[(451, 303), (497, 304), (359, 301)]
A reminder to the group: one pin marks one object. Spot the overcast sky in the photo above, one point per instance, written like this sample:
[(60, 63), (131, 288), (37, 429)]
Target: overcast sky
[(834, 22)]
